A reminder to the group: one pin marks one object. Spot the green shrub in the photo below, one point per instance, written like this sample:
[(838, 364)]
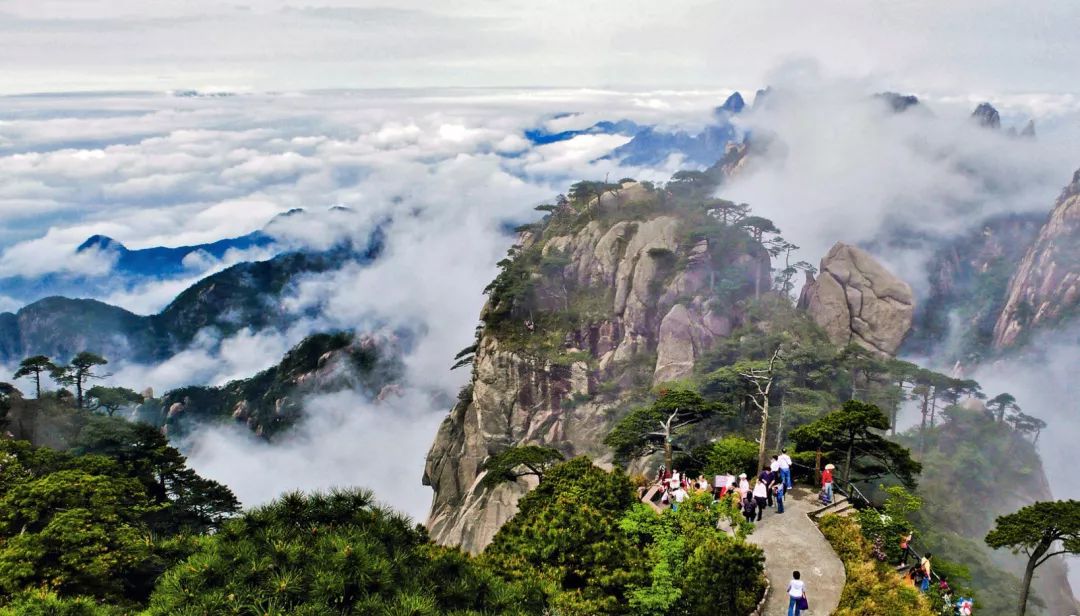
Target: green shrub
[(872, 587)]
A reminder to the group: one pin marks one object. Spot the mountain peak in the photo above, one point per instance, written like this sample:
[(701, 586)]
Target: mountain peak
[(986, 116), (101, 242), (898, 102), (733, 104)]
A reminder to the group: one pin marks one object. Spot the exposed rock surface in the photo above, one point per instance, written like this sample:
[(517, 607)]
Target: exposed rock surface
[(969, 279), (1046, 287), (663, 315), (986, 116), (856, 300)]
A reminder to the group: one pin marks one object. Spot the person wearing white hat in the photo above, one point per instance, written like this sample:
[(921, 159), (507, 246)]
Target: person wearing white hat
[(744, 486), (827, 481)]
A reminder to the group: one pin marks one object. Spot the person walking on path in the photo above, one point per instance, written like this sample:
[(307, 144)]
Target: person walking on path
[(926, 571), (796, 591), (905, 547), (784, 462), (826, 483), (748, 508), (760, 497), (778, 488)]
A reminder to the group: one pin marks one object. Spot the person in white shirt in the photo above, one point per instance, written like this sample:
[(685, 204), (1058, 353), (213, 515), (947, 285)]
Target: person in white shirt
[(796, 590), (679, 495), (744, 486), (774, 465), (784, 462), (761, 496)]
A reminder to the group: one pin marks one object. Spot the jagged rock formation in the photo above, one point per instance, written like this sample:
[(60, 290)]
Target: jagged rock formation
[(856, 300), (969, 279), (1046, 287), (656, 310), (986, 116), (271, 401)]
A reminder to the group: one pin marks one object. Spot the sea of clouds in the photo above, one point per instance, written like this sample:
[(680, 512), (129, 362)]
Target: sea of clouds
[(445, 173)]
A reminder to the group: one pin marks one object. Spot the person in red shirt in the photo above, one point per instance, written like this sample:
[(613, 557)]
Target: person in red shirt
[(827, 481)]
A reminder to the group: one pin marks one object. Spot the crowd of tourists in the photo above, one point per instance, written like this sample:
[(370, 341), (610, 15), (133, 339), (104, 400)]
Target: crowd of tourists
[(754, 496)]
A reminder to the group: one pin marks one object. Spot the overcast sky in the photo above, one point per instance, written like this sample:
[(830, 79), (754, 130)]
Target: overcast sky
[(960, 46)]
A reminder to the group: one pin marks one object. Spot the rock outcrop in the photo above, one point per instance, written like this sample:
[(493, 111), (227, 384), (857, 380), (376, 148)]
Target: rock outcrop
[(1046, 287), (658, 313), (856, 300), (968, 279), (986, 116)]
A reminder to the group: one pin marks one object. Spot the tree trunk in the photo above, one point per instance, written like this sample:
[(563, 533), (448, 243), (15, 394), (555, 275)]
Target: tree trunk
[(922, 426), (817, 467), (78, 392), (780, 426), (847, 462), (764, 433), (1026, 587), (37, 384), (668, 462)]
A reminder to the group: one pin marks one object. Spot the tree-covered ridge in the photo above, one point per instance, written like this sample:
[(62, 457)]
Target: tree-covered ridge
[(271, 401), (242, 296)]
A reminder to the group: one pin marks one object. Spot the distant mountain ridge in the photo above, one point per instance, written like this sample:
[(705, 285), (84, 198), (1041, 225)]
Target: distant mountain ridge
[(131, 267), (243, 296), (160, 260), (653, 146)]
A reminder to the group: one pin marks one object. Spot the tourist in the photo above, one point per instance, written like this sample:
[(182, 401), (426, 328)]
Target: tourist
[(915, 577), (678, 496), (826, 483), (760, 497), (796, 590), (778, 489), (905, 547), (748, 508), (784, 461), (924, 565), (774, 466), (744, 486), (766, 476)]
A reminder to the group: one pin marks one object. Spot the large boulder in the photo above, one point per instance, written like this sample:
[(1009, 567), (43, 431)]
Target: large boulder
[(856, 300)]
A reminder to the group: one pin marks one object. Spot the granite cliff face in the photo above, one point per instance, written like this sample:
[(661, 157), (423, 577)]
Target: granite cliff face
[(658, 298), (1046, 287), (969, 279), (856, 300)]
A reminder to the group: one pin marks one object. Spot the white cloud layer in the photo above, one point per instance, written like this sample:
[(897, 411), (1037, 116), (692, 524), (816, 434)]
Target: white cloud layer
[(989, 46)]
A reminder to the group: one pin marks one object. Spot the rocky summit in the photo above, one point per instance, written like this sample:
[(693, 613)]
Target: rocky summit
[(657, 296)]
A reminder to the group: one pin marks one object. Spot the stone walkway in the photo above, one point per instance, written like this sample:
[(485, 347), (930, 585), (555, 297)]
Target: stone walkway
[(792, 542)]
